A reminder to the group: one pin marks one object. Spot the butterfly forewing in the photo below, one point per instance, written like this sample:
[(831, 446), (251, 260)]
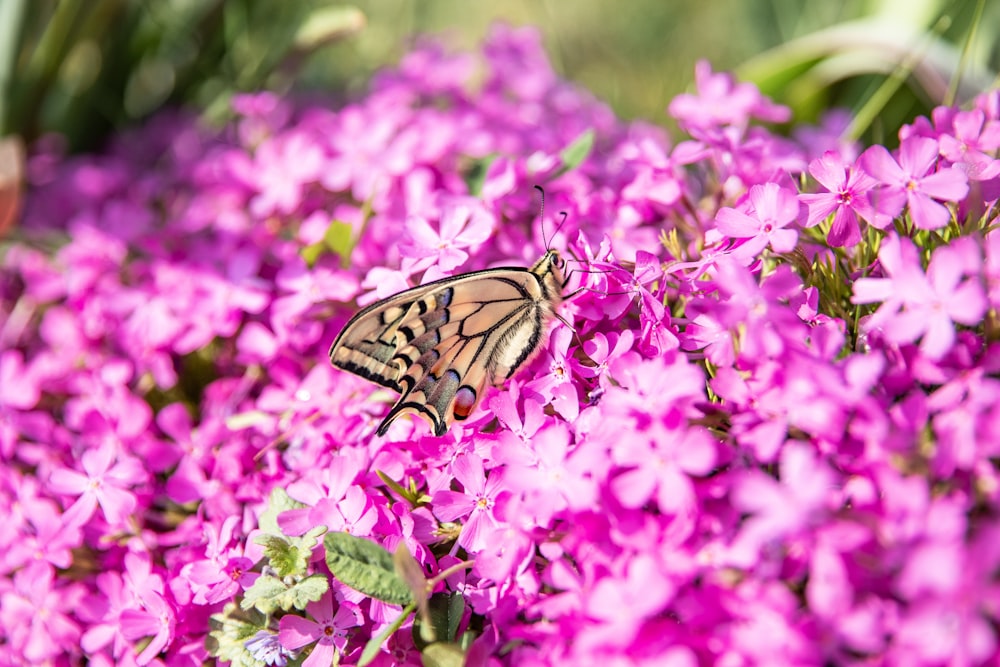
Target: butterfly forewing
[(439, 345)]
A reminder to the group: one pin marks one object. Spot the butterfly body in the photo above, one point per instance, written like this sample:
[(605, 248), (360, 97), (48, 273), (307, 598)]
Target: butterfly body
[(439, 345)]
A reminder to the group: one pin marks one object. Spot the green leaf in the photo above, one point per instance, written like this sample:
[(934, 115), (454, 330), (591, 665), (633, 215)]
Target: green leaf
[(338, 238), (442, 620), (269, 593), (278, 502), (573, 155), (365, 567), (410, 494), (289, 556), (456, 607), (412, 573), (476, 175), (443, 655), (230, 630), (371, 650)]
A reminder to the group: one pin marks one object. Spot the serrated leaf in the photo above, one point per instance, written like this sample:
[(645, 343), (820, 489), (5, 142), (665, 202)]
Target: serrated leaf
[(371, 649), (284, 555), (279, 501), (443, 654), (269, 594), (230, 630), (573, 155), (365, 567)]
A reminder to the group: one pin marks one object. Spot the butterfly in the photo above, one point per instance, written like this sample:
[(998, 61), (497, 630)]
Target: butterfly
[(439, 345)]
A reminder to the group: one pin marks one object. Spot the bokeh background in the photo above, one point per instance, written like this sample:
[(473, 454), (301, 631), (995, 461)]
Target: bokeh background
[(86, 67)]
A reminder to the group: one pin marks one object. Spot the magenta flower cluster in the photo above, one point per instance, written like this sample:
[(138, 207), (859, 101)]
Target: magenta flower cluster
[(770, 437)]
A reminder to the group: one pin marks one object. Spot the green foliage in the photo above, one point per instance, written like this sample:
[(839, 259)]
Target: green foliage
[(270, 594), (338, 239), (365, 567), (573, 155), (230, 630), (289, 556), (82, 68)]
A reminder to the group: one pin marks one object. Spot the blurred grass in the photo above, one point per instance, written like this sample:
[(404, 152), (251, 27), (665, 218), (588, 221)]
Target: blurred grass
[(86, 67)]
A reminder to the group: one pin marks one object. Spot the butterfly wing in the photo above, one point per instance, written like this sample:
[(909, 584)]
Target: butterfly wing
[(440, 344)]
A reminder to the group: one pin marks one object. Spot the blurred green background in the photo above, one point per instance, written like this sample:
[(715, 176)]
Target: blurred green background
[(86, 67)]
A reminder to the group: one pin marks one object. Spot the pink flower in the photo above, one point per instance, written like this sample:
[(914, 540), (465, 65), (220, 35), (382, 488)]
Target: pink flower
[(36, 613), (770, 209), (917, 305), (329, 630), (722, 101), (846, 198), (462, 225), (910, 180), (103, 482), (477, 501), (155, 619)]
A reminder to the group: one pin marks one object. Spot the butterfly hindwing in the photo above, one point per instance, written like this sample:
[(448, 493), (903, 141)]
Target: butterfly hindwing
[(439, 345)]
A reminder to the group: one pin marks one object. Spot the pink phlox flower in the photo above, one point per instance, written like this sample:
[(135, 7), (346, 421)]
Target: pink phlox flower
[(660, 466), (764, 325), (328, 629), (972, 137), (226, 569), (722, 101), (476, 503), (912, 181), (37, 615), (463, 224), (19, 382), (306, 289), (947, 579), (156, 619), (105, 405), (47, 537), (558, 477), (917, 305), (514, 443), (556, 385), (769, 210), (93, 260), (283, 166), (638, 590), (106, 480), (603, 350), (991, 269), (965, 422), (708, 329), (517, 64), (827, 333), (655, 335), (117, 592), (366, 153), (656, 179), (846, 197), (780, 510), (354, 513), (261, 114)]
